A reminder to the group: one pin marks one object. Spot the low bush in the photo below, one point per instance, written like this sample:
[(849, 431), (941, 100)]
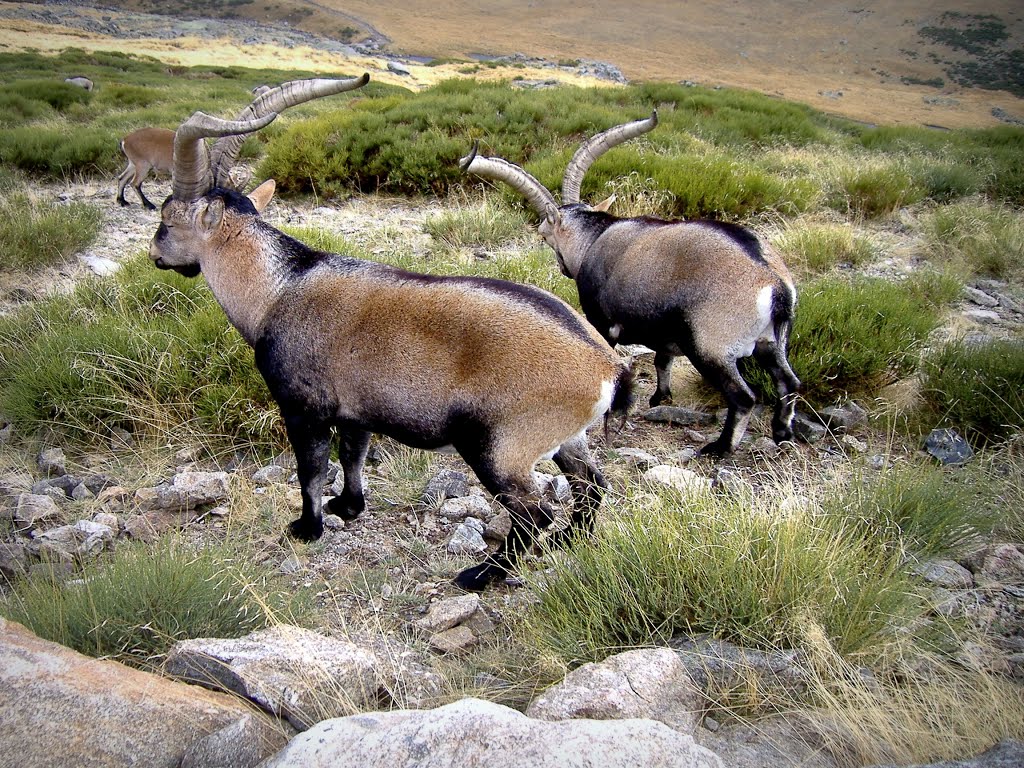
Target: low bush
[(486, 224), (58, 94), (58, 152), (820, 246), (174, 592), (976, 238), (664, 566), (35, 233), (977, 388)]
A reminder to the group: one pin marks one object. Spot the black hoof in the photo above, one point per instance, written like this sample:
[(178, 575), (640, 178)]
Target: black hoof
[(305, 531), (477, 578), (782, 435), (715, 450), (122, 203), (346, 509), (660, 399)]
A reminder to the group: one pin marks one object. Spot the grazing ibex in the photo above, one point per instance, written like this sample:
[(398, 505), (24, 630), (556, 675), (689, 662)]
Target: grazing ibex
[(709, 290), (151, 149), (504, 374), (81, 82)]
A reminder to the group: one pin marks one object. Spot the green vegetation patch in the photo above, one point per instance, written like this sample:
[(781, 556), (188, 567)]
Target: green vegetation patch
[(134, 606)]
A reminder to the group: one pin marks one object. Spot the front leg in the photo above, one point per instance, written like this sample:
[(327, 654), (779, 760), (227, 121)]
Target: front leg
[(311, 441), (352, 447)]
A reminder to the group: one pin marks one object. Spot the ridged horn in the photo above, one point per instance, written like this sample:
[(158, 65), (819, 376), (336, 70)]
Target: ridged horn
[(191, 175), (596, 146), (224, 154), (536, 194)]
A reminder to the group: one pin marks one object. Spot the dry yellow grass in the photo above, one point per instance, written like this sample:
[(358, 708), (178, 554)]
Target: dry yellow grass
[(789, 48)]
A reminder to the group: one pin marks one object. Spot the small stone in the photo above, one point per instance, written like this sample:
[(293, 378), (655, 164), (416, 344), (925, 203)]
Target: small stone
[(108, 519), (52, 461), (851, 442), (465, 506), (448, 613), (270, 474), (684, 417), (33, 509), (81, 492), (642, 460), (808, 430), (729, 482), (454, 640), (847, 416), (468, 538), (948, 446), (945, 573), (980, 298), (680, 479), (765, 446), (446, 484)]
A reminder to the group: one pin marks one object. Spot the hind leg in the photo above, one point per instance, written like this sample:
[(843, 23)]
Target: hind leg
[(739, 398), (122, 182), (663, 367), (352, 447), (517, 491), (145, 200), (588, 486), (772, 357)]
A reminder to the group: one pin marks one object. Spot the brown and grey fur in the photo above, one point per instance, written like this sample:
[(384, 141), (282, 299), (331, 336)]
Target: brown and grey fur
[(708, 290), (503, 374), (147, 149)]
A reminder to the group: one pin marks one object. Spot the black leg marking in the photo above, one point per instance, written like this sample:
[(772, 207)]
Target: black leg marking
[(663, 367), (145, 200), (739, 398), (772, 357), (311, 442), (352, 447), (588, 486)]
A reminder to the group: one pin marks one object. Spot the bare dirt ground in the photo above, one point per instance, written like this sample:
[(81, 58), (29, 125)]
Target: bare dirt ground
[(850, 60)]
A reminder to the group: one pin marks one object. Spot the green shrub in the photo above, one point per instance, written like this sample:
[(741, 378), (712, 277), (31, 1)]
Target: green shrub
[(58, 152), (854, 335), (486, 224), (58, 94), (818, 247), (664, 566), (876, 189), (977, 237), (978, 389), (136, 606), (35, 233), (128, 96), (148, 351)]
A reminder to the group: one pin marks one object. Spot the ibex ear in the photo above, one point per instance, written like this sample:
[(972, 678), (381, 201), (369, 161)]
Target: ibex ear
[(604, 205), (261, 196), (210, 217)]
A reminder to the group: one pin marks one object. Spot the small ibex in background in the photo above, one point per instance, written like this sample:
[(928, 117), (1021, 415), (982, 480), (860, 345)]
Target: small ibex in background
[(504, 374), (709, 290), (151, 149), (81, 82)]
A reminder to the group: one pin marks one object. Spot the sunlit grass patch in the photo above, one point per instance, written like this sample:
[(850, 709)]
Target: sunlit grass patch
[(976, 237)]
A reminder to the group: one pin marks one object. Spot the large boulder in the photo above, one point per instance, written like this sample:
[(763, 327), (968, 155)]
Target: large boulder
[(476, 732), (650, 683), (60, 708)]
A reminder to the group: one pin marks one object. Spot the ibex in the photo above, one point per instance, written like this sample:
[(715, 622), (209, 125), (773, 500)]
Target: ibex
[(504, 374), (81, 82), (709, 290), (151, 149)]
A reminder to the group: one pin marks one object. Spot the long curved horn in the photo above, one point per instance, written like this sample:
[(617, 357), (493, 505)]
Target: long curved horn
[(224, 154), (536, 194), (190, 174), (596, 146)]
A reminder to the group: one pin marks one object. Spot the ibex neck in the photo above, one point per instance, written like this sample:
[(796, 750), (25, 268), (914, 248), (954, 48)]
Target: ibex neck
[(246, 281)]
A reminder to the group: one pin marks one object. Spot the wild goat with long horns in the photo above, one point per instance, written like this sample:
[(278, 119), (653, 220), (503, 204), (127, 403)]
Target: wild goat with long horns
[(504, 374), (709, 290)]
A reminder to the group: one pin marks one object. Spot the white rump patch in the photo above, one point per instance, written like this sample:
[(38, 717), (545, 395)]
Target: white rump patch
[(602, 405)]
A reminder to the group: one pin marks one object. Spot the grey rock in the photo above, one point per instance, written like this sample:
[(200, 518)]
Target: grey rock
[(13, 559), (945, 573), (716, 664), (684, 480), (650, 684), (732, 483), (1005, 754), (187, 491), (33, 509), (771, 742), (466, 506), (847, 416), (475, 732), (270, 474), (453, 641), (84, 539), (104, 714), (948, 446), (684, 417), (980, 298), (642, 460), (289, 671), (398, 68), (52, 461), (982, 315), (81, 492), (806, 429), (446, 484), (468, 538), (765, 446), (447, 613), (237, 745)]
